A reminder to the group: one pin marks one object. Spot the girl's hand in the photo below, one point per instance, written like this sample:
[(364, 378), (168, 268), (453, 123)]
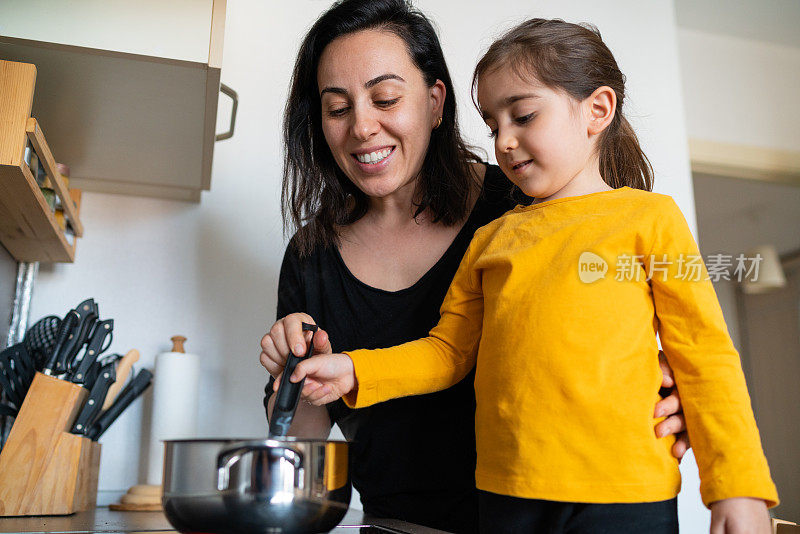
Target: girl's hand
[(740, 515), (670, 407), (328, 377), (288, 332)]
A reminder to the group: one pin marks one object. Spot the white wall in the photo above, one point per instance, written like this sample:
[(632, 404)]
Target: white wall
[(209, 271), (740, 91)]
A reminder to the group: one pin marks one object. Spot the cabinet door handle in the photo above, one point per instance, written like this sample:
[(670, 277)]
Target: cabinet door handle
[(224, 89)]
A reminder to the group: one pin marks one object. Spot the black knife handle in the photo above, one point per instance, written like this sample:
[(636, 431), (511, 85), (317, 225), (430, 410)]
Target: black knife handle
[(90, 410), (125, 398), (87, 314), (94, 348), (67, 326), (288, 395)]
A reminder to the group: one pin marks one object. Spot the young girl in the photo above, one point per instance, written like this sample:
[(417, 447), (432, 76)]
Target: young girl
[(559, 304)]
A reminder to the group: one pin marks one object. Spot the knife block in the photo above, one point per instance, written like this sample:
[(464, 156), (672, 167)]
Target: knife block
[(45, 470)]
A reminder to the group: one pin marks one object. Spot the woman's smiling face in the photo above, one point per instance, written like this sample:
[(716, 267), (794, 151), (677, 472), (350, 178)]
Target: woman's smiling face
[(377, 110)]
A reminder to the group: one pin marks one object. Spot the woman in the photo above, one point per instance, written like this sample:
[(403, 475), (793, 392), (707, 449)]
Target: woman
[(385, 197)]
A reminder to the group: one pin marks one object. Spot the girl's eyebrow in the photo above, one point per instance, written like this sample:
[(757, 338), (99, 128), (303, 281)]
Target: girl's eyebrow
[(371, 83), (515, 98)]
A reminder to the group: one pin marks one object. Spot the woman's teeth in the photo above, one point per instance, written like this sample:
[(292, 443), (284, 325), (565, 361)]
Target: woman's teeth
[(374, 157)]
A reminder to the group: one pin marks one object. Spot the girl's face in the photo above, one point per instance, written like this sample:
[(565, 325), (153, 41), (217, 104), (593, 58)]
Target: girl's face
[(541, 138), (377, 111)]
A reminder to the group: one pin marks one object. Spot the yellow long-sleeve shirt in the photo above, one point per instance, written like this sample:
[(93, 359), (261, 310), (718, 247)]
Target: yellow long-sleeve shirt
[(567, 366)]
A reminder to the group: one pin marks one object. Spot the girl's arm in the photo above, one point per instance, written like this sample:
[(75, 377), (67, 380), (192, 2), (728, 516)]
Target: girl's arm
[(741, 515), (706, 366), (426, 365)]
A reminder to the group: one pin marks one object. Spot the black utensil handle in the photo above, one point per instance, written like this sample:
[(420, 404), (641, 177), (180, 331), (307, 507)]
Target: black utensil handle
[(7, 386), (91, 409), (288, 395), (94, 348), (125, 398), (82, 333), (289, 392), (64, 330), (22, 358), (286, 400)]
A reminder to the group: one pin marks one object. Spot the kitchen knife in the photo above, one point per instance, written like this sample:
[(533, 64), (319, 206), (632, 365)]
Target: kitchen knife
[(65, 330), (123, 370), (288, 392), (94, 370), (135, 388), (95, 347), (94, 403), (87, 316)]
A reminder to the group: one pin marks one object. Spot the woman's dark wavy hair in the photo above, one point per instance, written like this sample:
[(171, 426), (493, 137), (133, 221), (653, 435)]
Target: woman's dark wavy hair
[(317, 196), (573, 58)]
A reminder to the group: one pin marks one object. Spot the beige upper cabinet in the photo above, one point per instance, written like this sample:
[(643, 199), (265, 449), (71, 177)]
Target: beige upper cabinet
[(126, 91)]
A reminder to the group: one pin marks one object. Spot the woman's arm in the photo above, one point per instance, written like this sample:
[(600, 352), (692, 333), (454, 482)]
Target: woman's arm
[(309, 421)]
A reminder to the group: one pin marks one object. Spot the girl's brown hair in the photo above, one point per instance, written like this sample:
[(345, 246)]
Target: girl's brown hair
[(573, 58)]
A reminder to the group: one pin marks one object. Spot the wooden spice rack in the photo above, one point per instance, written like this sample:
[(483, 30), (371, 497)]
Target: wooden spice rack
[(28, 226), (45, 470)]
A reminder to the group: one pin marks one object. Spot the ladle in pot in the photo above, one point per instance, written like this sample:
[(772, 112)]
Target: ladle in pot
[(288, 394)]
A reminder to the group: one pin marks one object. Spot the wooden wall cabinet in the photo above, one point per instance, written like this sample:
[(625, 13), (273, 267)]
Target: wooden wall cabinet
[(127, 91), (28, 225)]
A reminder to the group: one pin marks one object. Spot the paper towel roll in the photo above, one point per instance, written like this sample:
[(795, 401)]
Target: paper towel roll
[(175, 396)]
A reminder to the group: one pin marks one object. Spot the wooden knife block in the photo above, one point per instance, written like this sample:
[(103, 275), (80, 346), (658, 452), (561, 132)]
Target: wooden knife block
[(45, 470)]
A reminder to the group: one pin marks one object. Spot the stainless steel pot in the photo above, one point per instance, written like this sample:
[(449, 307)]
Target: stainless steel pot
[(255, 486)]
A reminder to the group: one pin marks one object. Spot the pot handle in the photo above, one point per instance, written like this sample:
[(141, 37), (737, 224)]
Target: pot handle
[(227, 458)]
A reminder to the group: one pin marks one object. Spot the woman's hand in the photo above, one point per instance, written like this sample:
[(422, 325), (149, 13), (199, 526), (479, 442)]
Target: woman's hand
[(328, 377), (670, 407), (288, 332), (309, 421), (740, 515)]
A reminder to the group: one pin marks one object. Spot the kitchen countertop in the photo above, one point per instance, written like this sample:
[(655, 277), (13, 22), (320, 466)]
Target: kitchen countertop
[(103, 520)]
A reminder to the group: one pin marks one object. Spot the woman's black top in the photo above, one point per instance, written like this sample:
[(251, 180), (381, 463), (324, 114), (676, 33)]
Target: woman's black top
[(411, 458)]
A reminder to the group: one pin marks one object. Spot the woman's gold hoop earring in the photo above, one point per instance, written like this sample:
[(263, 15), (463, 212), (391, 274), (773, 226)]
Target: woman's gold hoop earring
[(438, 123)]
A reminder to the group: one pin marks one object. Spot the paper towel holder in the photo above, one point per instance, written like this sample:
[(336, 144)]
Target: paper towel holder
[(147, 497), (177, 344)]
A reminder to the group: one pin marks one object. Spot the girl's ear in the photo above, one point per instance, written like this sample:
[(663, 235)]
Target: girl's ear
[(600, 107), (438, 93)]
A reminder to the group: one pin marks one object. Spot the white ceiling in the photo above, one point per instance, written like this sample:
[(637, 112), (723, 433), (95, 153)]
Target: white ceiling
[(775, 21)]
